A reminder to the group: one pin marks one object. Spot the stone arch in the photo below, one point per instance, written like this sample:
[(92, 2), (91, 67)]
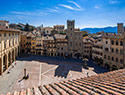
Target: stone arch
[(18, 51), (13, 56), (15, 53), (51, 54), (58, 54), (5, 64), (114, 67), (107, 66), (70, 54), (9, 59), (77, 55), (1, 67), (61, 54)]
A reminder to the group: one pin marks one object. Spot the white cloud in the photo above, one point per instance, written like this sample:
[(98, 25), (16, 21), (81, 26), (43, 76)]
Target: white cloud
[(114, 1), (75, 4), (97, 7), (54, 10), (70, 7), (66, 6), (34, 13)]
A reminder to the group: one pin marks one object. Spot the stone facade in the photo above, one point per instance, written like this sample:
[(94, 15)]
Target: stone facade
[(113, 51), (9, 47), (61, 45), (87, 47), (74, 40), (59, 28), (97, 52)]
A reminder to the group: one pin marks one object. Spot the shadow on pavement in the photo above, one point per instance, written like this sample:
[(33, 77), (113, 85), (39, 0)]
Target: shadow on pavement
[(64, 65)]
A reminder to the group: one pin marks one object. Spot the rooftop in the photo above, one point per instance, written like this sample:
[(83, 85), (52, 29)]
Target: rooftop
[(101, 84), (8, 29), (59, 36)]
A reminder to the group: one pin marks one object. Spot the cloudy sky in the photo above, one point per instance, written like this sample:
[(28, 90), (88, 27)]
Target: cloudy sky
[(86, 13)]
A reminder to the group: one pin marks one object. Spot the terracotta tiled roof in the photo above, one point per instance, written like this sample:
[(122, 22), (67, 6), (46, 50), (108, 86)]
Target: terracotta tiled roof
[(8, 29), (30, 34), (58, 25), (60, 36), (48, 38), (111, 83)]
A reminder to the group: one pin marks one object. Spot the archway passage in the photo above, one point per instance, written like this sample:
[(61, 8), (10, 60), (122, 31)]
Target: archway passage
[(58, 54), (51, 54), (114, 68), (12, 55), (5, 66), (77, 55), (107, 66), (9, 59), (61, 54), (1, 66), (16, 53)]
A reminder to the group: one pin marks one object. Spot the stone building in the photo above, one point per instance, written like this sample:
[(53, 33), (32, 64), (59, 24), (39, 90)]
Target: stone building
[(9, 47), (74, 40), (61, 45), (23, 41), (87, 47), (47, 30), (113, 51), (97, 52), (30, 43), (59, 28), (38, 45), (4, 23), (49, 46)]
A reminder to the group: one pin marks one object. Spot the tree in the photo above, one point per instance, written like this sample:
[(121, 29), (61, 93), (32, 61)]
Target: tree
[(85, 33), (27, 28)]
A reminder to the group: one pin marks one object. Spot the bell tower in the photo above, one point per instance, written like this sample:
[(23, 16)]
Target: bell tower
[(70, 25)]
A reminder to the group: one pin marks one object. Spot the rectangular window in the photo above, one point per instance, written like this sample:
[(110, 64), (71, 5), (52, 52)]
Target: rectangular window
[(112, 58), (116, 42), (106, 49), (4, 34), (116, 50), (106, 42), (112, 49), (112, 42), (121, 52), (121, 43), (108, 57)]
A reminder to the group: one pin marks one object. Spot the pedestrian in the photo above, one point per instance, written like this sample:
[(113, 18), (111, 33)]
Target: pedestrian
[(15, 63)]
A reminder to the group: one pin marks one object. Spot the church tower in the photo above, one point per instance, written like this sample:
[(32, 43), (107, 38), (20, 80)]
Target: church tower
[(120, 28), (70, 25)]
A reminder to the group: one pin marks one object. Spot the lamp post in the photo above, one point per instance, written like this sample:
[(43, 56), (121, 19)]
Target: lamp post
[(85, 59)]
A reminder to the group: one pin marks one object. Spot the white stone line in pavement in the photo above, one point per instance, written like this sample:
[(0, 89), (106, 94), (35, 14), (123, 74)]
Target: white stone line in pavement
[(40, 75), (49, 70)]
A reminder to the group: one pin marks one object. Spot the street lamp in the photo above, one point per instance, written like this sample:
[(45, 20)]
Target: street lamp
[(85, 60)]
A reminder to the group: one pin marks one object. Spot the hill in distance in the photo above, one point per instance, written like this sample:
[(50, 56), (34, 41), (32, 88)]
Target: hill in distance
[(105, 29)]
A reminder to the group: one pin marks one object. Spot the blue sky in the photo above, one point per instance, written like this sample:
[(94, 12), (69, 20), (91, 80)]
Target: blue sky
[(86, 13)]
